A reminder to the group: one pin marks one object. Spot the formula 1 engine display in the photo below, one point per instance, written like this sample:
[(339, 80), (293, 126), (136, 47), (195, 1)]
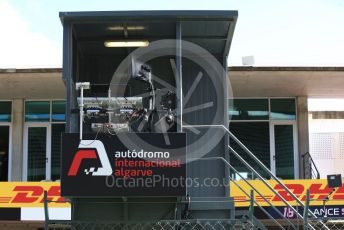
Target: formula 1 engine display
[(151, 111)]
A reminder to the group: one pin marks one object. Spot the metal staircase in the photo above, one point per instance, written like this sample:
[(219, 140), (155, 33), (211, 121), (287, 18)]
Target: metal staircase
[(245, 214), (287, 223), (310, 170)]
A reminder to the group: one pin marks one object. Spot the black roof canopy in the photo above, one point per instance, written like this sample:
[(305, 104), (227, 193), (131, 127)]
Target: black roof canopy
[(213, 30)]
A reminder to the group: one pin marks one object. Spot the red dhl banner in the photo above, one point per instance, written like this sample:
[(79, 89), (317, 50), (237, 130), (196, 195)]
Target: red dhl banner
[(318, 192), (30, 194)]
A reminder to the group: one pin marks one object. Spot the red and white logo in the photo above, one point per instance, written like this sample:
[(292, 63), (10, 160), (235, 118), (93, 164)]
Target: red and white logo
[(89, 149)]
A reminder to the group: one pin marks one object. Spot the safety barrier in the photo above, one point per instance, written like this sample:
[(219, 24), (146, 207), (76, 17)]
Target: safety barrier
[(158, 225)]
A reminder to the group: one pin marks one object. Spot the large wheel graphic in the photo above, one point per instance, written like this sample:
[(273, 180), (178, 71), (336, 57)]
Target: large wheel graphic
[(207, 63)]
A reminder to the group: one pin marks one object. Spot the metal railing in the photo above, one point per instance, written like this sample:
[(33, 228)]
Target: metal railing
[(331, 223), (152, 225), (310, 220), (310, 170), (249, 223), (251, 195), (319, 222), (252, 156)]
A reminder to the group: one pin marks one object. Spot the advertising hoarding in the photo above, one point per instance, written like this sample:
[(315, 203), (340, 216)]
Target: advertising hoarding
[(30, 194), (319, 190), (125, 164)]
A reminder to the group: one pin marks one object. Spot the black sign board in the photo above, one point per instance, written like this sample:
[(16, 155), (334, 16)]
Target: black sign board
[(125, 164), (334, 181)]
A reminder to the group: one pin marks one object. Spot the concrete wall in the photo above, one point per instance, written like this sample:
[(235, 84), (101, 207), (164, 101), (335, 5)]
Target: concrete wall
[(327, 114), (326, 82), (42, 84), (303, 130), (17, 139), (326, 141)]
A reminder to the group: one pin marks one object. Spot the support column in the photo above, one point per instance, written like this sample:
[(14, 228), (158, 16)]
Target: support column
[(226, 121), (17, 139), (178, 76), (303, 131), (71, 119)]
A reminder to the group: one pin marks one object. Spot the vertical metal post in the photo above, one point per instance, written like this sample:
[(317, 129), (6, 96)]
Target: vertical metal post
[(304, 166), (109, 101), (251, 209), (305, 211), (46, 211), (226, 123), (81, 86), (81, 118), (310, 168), (178, 209), (67, 72), (179, 83)]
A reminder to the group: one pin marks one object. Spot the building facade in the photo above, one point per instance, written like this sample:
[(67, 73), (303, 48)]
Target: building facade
[(268, 114), (32, 118)]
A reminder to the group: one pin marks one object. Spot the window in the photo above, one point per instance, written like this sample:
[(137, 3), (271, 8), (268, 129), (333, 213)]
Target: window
[(4, 151), (258, 109), (5, 111), (283, 109), (255, 136), (58, 111), (37, 111), (249, 109), (265, 126), (36, 162), (56, 131), (45, 122), (284, 151)]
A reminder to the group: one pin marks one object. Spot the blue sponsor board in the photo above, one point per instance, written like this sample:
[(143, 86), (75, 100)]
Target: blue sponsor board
[(330, 211)]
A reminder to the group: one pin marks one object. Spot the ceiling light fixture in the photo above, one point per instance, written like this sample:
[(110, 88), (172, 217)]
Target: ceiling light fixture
[(128, 43), (115, 28), (136, 28), (120, 28)]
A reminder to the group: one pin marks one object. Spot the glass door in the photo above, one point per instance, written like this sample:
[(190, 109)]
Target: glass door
[(283, 144), (56, 131), (255, 136), (4, 152), (37, 152)]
